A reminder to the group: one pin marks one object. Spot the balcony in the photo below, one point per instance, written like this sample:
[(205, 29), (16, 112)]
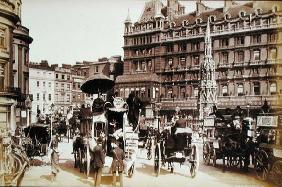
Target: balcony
[(224, 65)]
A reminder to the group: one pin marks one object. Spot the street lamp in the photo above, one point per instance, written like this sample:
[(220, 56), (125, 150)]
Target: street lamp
[(28, 105), (51, 118)]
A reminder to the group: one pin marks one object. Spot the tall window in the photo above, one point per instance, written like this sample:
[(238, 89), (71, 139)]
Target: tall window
[(256, 55), (57, 76), (256, 88), (37, 96), (273, 88), (57, 85), (49, 84), (240, 40), (195, 46), (37, 83), (63, 76), (96, 69), (68, 97), (62, 85), (169, 92), (240, 56), (273, 54), (43, 97), (224, 90), (68, 86), (68, 77), (224, 58), (224, 42), (196, 91), (196, 60), (240, 89), (182, 92), (272, 37), (2, 38), (43, 83), (256, 39), (49, 97)]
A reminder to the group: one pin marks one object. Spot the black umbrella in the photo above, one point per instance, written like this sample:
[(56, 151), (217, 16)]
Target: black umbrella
[(96, 84)]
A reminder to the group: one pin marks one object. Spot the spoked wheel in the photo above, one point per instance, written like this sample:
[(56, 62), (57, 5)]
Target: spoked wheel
[(157, 161), (277, 173), (214, 157), (261, 165), (131, 171), (194, 161), (206, 153)]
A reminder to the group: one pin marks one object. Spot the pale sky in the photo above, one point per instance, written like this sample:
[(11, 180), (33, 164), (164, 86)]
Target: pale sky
[(67, 31)]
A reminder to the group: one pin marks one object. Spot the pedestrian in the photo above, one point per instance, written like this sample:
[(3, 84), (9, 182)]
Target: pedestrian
[(118, 163), (54, 156), (98, 162)]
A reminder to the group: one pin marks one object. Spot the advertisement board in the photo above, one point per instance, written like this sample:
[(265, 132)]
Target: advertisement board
[(267, 121)]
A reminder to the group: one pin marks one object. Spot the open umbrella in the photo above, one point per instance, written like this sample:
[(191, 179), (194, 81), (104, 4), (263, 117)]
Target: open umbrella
[(96, 84)]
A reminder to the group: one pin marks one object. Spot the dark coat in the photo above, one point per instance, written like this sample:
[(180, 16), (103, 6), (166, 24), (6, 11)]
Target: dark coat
[(98, 156), (118, 157), (134, 104)]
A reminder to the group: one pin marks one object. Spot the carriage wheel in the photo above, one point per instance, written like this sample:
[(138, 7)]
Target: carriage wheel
[(194, 161), (214, 157), (277, 172), (131, 171), (261, 165), (206, 153), (157, 161)]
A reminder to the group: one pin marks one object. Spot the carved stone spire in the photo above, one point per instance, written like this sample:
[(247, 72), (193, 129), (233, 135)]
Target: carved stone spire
[(207, 90), (127, 20)]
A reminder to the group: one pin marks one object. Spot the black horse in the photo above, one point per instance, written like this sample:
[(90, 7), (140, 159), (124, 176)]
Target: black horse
[(79, 151)]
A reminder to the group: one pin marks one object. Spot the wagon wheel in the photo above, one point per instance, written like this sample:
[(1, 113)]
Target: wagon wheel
[(277, 172), (194, 161), (206, 153), (157, 161), (131, 171), (261, 165), (214, 157)]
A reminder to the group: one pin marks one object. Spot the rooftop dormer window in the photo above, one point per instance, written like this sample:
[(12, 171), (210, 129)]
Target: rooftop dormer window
[(212, 18), (184, 22), (275, 8), (227, 16), (242, 14), (198, 20), (258, 11)]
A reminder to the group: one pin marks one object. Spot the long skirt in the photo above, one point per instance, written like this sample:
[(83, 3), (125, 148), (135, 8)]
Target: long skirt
[(55, 162)]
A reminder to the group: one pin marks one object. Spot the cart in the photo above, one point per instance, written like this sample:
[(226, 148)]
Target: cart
[(268, 154), (183, 152)]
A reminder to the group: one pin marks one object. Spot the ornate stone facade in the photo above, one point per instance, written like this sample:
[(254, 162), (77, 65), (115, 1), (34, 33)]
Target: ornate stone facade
[(246, 49)]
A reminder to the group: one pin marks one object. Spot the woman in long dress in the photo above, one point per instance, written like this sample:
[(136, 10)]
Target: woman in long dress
[(54, 156)]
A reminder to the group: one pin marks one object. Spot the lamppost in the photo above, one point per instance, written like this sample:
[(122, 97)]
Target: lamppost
[(28, 105), (51, 118), (157, 109)]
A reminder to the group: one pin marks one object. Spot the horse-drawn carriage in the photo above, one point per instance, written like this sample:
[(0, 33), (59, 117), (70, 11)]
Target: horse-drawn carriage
[(174, 145), (227, 139), (111, 124), (268, 154), (36, 140)]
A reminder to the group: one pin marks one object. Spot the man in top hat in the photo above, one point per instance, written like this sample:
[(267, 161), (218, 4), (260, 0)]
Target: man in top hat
[(118, 162), (98, 162)]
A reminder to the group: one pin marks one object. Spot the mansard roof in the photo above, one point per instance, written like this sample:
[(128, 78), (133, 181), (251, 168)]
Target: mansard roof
[(219, 14), (150, 10)]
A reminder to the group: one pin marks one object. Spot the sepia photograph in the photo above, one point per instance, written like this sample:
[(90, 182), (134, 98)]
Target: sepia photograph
[(141, 93)]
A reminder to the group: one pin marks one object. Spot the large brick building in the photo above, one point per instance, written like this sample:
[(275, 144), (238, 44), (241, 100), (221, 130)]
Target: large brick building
[(163, 51)]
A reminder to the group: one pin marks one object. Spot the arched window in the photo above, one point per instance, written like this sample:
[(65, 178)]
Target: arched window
[(242, 14), (199, 20), (273, 88), (227, 16), (212, 18), (240, 89), (224, 90)]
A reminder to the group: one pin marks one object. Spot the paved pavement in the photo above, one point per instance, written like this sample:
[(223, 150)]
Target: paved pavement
[(143, 176)]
